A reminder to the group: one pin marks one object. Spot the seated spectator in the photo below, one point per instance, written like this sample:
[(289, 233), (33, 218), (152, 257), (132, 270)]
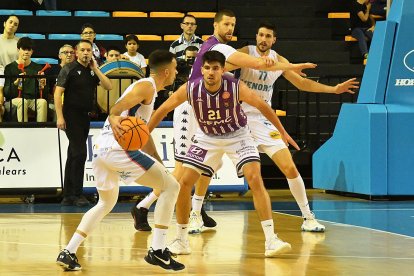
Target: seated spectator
[(25, 92), (362, 24), (88, 33), (113, 54), (132, 46), (187, 38), (66, 55), (8, 52)]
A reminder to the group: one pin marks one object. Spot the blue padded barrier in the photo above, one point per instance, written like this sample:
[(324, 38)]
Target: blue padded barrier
[(16, 12), (109, 37), (45, 60)]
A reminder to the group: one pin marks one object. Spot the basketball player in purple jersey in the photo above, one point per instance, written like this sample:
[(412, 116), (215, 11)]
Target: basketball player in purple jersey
[(224, 23), (216, 101)]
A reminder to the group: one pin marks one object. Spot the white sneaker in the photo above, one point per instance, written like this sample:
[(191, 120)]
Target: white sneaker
[(310, 224), (196, 223), (180, 247), (276, 246)]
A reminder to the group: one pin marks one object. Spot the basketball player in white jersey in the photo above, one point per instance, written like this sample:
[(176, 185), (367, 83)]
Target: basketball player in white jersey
[(112, 163), (266, 135)]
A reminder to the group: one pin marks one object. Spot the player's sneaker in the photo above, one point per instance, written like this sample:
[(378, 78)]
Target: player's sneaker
[(208, 221), (68, 260), (196, 223), (310, 224), (276, 246), (163, 259), (140, 219), (180, 247)]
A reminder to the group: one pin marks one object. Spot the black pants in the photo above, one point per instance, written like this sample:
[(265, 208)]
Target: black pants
[(77, 130)]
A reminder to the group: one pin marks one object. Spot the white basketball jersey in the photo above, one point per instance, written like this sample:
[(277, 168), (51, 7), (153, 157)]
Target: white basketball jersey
[(142, 111), (259, 81)]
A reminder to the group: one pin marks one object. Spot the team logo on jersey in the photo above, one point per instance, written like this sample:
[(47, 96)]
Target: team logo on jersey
[(92, 73), (225, 95), (275, 135), (79, 72)]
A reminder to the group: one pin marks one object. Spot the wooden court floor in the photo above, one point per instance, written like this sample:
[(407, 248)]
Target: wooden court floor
[(29, 244)]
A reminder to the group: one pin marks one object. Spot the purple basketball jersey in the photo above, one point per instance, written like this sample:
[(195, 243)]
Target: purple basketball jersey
[(198, 62), (220, 112)]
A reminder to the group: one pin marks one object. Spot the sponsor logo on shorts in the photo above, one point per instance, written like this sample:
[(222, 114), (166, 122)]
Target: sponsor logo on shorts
[(196, 153), (275, 135)]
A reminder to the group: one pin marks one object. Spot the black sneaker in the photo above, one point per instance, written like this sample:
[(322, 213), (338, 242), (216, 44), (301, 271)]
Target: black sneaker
[(81, 201), (207, 220), (140, 219), (67, 201), (68, 261), (163, 259)]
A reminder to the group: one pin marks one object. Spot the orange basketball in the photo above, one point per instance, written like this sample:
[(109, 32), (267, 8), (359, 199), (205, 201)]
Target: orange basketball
[(136, 134)]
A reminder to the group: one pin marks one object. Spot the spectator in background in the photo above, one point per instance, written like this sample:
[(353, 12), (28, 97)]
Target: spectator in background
[(88, 33), (113, 54), (362, 24), (8, 52), (132, 46), (78, 80), (66, 55), (187, 38), (25, 92)]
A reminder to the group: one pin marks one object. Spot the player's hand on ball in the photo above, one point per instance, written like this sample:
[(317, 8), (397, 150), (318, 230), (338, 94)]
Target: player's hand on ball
[(116, 126)]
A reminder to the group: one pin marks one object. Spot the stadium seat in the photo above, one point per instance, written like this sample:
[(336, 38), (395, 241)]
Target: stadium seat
[(150, 37), (92, 13), (109, 37), (170, 37), (129, 14), (16, 12), (31, 35), (167, 14), (45, 60), (53, 13), (350, 38), (203, 14), (64, 36), (339, 15)]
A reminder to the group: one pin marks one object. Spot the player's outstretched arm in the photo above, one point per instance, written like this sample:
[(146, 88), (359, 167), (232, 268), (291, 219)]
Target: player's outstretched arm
[(313, 86), (242, 60), (249, 96), (177, 98)]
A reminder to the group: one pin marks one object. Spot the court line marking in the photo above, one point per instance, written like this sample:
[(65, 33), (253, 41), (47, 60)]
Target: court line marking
[(243, 253), (352, 225)]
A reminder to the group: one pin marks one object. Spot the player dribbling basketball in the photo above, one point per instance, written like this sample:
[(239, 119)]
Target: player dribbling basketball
[(112, 163)]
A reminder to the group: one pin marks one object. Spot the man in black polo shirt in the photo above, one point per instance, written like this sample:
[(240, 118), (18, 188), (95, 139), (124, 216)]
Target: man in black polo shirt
[(78, 80)]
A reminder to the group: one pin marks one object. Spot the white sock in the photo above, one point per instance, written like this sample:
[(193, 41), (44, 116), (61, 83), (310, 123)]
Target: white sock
[(147, 201), (268, 229), (159, 239), (197, 203), (297, 188), (75, 242), (182, 232)]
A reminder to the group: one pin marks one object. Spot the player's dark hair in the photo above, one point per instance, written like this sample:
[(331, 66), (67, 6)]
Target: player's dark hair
[(159, 58), (219, 15), (214, 56)]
